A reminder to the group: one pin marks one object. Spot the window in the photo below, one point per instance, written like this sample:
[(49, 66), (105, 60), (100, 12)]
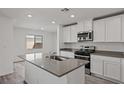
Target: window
[(34, 41)]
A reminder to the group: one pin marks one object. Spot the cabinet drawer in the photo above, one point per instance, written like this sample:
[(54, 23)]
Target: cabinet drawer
[(67, 54), (105, 58), (113, 59), (96, 57)]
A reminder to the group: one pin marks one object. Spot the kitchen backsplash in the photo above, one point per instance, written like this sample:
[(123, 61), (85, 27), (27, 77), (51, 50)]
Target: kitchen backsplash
[(99, 46)]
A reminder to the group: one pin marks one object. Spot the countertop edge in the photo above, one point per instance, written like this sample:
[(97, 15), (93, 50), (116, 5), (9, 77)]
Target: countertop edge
[(109, 54), (69, 49)]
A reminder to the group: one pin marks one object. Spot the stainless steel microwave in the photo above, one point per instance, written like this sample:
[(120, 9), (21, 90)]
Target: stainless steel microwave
[(85, 36)]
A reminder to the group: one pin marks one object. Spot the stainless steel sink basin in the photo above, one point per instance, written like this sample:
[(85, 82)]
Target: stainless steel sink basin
[(58, 58)]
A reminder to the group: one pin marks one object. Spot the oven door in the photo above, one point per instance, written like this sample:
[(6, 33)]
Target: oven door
[(87, 66)]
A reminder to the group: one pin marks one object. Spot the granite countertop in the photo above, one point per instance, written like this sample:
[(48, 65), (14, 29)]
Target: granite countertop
[(69, 49), (109, 54), (58, 68)]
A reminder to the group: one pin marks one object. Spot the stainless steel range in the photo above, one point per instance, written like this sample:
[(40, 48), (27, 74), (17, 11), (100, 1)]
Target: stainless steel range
[(84, 54)]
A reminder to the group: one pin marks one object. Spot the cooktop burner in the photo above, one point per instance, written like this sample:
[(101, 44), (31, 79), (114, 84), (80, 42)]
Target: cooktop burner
[(84, 51)]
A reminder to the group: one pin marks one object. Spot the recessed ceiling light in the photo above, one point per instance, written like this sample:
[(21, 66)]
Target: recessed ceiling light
[(42, 28), (72, 16), (29, 15), (53, 22)]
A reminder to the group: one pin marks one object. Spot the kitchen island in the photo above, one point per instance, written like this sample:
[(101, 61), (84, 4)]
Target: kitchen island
[(41, 69)]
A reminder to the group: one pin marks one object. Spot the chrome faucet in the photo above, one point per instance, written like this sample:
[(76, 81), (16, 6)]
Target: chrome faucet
[(52, 54)]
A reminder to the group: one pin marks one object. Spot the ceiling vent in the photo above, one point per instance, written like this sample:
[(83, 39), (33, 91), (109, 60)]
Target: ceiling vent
[(65, 9)]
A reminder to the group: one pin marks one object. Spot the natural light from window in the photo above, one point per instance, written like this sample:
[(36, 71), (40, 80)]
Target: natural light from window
[(34, 41)]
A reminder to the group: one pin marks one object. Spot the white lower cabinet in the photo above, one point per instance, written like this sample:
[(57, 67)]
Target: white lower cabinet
[(122, 70), (96, 65), (107, 66), (67, 54), (112, 69)]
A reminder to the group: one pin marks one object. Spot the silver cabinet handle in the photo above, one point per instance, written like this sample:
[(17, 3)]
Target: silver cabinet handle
[(82, 56)]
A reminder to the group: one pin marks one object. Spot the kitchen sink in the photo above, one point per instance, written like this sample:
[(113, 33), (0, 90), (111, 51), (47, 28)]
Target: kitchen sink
[(58, 58)]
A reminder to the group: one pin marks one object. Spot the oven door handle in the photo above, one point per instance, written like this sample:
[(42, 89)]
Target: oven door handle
[(82, 56)]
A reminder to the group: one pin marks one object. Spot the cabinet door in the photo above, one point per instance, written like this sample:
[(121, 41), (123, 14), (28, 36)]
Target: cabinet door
[(99, 30), (66, 34), (122, 70), (96, 65), (113, 29), (122, 28), (112, 69), (80, 27), (88, 25), (29, 73), (74, 33)]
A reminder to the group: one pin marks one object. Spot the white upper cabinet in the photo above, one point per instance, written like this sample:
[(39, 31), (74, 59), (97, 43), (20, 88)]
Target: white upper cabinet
[(84, 26), (88, 25), (122, 28), (113, 29), (99, 30), (80, 27), (66, 34), (108, 29), (70, 34), (74, 33)]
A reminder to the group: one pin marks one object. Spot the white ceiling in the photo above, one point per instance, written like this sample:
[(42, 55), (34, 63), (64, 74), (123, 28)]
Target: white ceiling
[(42, 17)]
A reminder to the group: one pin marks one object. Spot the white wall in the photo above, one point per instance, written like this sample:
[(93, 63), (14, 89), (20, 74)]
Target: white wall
[(49, 41), (6, 46)]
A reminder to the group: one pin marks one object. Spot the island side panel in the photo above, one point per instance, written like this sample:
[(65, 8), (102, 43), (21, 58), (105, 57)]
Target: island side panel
[(36, 75), (77, 76)]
